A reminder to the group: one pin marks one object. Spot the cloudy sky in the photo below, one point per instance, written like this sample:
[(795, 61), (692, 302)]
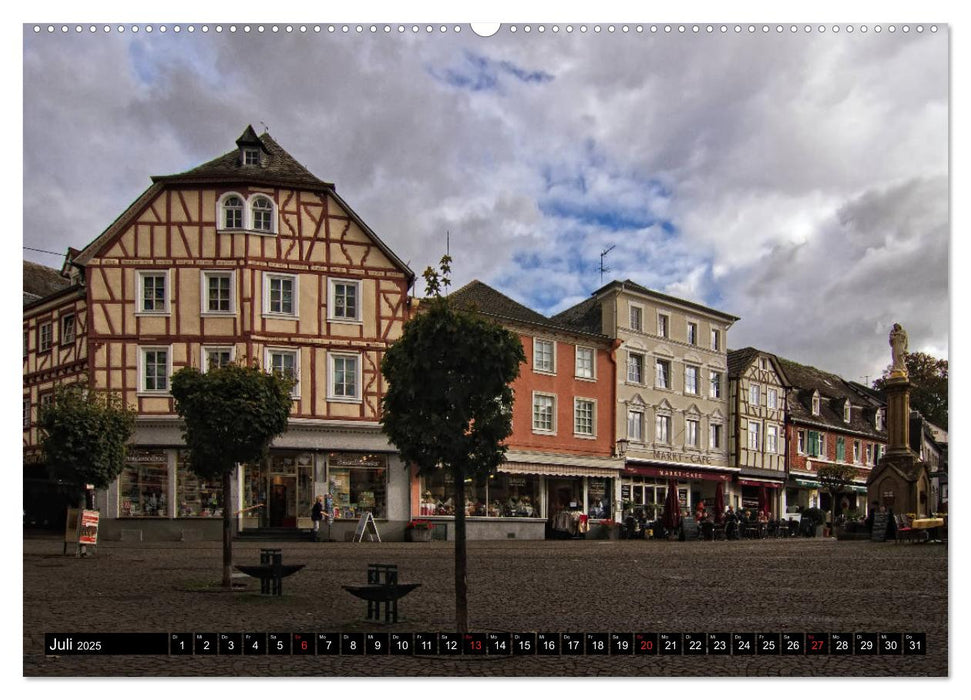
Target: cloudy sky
[(797, 180)]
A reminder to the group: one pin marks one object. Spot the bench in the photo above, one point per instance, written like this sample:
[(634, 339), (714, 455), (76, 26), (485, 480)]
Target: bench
[(271, 571), (382, 588)]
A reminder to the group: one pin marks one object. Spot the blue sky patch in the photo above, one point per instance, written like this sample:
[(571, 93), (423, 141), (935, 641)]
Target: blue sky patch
[(482, 74)]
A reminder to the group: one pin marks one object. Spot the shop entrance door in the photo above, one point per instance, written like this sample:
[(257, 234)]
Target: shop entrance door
[(283, 494)]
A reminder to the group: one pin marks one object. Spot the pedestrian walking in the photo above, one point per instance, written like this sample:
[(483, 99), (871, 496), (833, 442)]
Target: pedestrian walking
[(316, 515)]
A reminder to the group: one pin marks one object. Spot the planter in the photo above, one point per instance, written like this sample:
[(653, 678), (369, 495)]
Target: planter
[(418, 535)]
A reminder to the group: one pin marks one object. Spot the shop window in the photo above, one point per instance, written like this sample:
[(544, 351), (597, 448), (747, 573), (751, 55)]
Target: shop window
[(197, 497), (359, 484), (501, 496), (598, 497), (143, 485)]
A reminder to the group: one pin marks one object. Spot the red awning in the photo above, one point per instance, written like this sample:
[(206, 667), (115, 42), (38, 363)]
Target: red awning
[(679, 474), (765, 484)]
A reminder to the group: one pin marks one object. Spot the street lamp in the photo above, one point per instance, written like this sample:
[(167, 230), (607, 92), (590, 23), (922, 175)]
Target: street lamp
[(622, 446)]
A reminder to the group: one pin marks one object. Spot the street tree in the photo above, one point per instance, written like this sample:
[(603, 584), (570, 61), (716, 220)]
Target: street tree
[(928, 386), (449, 401), (230, 415), (83, 437), (835, 478)]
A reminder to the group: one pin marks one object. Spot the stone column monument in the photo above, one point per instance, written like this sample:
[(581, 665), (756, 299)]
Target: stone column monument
[(900, 481)]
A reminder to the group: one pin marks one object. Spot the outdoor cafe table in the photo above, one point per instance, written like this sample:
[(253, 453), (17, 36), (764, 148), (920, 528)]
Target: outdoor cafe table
[(932, 524)]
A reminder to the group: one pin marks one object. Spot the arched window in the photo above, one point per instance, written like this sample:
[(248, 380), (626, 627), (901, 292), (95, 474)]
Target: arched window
[(232, 212), (262, 214)]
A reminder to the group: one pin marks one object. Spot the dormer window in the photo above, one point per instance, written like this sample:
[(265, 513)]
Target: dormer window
[(816, 404), (878, 419), (251, 156), (232, 212), (262, 214), (847, 411)]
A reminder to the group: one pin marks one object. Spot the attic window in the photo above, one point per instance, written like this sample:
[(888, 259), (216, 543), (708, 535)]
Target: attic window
[(251, 156), (816, 404), (846, 411)]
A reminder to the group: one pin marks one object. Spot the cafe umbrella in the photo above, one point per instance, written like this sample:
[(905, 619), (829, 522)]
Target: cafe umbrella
[(672, 508), (720, 502)]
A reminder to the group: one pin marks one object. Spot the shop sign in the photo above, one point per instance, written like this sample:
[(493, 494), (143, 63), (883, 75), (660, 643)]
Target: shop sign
[(356, 459), (679, 474), (146, 457), (683, 457), (625, 492), (88, 527), (516, 481)]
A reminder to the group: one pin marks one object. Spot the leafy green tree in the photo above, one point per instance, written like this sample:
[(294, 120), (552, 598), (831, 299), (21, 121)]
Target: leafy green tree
[(835, 478), (449, 401), (928, 386), (83, 437), (230, 415)]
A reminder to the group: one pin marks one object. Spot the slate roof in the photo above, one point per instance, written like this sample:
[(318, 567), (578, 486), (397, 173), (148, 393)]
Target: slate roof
[(277, 167), (739, 360), (483, 299), (41, 281), (833, 390), (587, 316)]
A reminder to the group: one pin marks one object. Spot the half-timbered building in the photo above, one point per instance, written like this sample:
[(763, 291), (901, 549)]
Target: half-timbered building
[(756, 438), (248, 257)]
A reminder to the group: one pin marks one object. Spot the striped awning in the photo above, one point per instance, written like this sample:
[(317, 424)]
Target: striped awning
[(556, 469)]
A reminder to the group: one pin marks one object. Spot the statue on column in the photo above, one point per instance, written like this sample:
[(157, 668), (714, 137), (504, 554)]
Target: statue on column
[(898, 350)]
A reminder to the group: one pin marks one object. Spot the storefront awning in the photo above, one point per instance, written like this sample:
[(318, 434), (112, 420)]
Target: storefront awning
[(556, 469), (681, 474), (806, 483), (759, 482)]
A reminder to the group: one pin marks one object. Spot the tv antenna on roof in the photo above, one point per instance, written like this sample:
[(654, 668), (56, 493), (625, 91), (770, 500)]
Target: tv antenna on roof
[(266, 129), (603, 269)]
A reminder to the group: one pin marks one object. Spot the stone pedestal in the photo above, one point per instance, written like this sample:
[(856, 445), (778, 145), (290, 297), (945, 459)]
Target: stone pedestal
[(898, 415)]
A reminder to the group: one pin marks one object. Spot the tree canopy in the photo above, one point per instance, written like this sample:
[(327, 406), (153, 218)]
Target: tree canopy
[(928, 380), (84, 435), (230, 415), (835, 478), (449, 400)]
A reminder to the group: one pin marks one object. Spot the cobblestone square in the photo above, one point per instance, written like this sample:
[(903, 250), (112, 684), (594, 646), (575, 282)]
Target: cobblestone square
[(791, 585)]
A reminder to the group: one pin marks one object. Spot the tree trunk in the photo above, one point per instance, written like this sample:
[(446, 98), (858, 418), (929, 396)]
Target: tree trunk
[(461, 565), (227, 529)]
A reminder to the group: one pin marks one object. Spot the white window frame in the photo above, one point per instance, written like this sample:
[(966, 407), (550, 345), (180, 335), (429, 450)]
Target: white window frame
[(143, 350), (544, 341), (665, 420), (815, 404), (332, 300), (714, 383), (696, 371), (754, 441), (206, 349), (63, 338), (771, 398), (658, 363), (631, 355), (593, 417), (251, 211), (716, 339), (869, 453), (221, 212), (639, 436), (592, 354), (541, 430), (691, 339), (878, 419), (140, 276), (204, 278), (631, 308), (251, 153), (754, 395), (45, 341), (692, 427), (268, 353), (332, 395), (847, 411), (772, 439), (857, 451), (267, 279), (801, 438), (665, 326), (714, 436)]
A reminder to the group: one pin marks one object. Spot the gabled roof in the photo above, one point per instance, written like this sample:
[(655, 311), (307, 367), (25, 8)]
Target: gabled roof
[(739, 360), (41, 281), (277, 168), (483, 299), (587, 316), (807, 380), (632, 286)]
